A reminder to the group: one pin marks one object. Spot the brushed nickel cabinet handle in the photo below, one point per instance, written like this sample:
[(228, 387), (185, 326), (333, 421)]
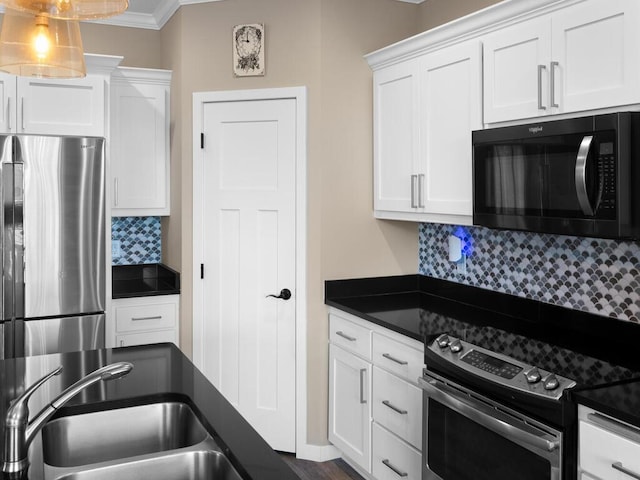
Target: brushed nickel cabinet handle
[(362, 399), (541, 68), (137, 319), (618, 466), (393, 359), (395, 470), (387, 403), (414, 190), (552, 80), (344, 335)]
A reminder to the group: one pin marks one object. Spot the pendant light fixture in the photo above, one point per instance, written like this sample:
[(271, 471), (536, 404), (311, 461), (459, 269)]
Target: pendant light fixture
[(69, 9), (40, 46)]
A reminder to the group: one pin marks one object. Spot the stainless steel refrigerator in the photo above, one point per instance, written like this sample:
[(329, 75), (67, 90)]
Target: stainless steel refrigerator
[(52, 223)]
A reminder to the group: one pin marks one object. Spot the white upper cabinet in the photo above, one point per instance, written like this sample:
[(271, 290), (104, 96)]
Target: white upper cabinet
[(424, 111), (140, 142), (578, 58), (396, 137), (516, 60), (53, 107), (596, 44), (451, 101)]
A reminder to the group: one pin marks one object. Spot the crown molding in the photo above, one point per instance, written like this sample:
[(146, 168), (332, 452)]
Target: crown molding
[(156, 20)]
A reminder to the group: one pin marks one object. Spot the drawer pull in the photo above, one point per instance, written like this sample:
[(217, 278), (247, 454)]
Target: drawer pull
[(344, 335), (137, 319), (614, 426), (387, 403), (396, 470), (393, 359), (618, 466)]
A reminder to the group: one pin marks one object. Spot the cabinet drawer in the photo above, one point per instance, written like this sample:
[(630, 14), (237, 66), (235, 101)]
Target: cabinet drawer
[(392, 458), (145, 338), (351, 337), (397, 406), (600, 449), (145, 317), (398, 358)]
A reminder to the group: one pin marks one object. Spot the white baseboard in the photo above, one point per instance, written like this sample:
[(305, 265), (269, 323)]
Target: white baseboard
[(317, 453)]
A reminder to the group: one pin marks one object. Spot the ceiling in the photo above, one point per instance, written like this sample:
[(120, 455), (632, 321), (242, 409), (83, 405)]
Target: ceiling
[(153, 14)]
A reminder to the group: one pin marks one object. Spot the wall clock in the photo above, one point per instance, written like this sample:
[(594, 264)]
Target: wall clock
[(248, 50)]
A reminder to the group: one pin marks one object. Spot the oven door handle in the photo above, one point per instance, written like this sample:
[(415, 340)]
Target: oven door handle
[(477, 415)]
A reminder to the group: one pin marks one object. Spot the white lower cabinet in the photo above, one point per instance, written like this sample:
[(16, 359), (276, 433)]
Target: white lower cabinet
[(144, 320), (375, 405), (607, 447)]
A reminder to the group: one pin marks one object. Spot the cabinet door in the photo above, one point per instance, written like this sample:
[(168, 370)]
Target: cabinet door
[(7, 103), (350, 406), (395, 134), (140, 165), (451, 100), (595, 45), (516, 80), (61, 107)]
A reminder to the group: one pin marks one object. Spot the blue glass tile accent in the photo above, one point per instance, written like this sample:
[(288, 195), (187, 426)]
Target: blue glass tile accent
[(588, 274), (139, 240)]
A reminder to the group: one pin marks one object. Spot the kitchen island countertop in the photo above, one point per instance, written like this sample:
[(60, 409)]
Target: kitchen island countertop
[(161, 373)]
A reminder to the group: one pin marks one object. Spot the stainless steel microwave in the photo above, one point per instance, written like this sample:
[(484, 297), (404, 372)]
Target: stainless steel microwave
[(579, 176)]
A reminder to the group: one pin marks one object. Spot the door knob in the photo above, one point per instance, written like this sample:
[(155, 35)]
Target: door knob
[(285, 294)]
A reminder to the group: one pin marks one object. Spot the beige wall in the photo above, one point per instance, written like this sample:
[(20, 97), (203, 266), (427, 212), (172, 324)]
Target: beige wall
[(139, 47), (438, 12)]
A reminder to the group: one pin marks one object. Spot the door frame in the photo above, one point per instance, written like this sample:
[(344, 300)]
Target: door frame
[(299, 94)]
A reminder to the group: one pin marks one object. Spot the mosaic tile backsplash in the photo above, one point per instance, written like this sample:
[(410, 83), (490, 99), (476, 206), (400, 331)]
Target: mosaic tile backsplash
[(136, 240), (589, 274)]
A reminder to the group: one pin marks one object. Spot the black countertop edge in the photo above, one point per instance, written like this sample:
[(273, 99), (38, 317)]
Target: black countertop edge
[(404, 303), (619, 400), (161, 372), (143, 280)]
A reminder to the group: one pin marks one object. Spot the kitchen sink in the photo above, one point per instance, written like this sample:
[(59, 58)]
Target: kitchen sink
[(159, 441), (120, 433), (193, 465)]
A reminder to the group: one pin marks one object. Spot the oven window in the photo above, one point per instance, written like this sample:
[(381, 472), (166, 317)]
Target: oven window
[(460, 449)]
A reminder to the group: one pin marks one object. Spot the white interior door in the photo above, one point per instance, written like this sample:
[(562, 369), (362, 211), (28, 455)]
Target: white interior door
[(248, 215)]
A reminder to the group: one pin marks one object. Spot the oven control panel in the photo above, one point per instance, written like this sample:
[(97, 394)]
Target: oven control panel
[(500, 368)]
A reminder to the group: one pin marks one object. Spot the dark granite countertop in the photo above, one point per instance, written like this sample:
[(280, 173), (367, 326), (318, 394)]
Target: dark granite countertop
[(144, 280), (161, 373), (421, 307)]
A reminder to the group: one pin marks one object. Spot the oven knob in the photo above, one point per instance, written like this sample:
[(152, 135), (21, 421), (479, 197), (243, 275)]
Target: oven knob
[(443, 341), (550, 382), (456, 346), (533, 375)]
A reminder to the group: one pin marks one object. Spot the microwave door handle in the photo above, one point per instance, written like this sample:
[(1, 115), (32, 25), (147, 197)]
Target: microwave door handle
[(581, 175), (476, 414)]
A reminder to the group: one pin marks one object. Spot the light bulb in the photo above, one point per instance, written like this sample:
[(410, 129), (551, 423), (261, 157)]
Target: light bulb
[(41, 38)]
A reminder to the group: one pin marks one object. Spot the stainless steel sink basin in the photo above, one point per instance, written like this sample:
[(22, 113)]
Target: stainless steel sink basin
[(120, 433), (194, 465), (163, 441)]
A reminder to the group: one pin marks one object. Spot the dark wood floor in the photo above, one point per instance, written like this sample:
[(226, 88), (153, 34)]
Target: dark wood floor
[(331, 470)]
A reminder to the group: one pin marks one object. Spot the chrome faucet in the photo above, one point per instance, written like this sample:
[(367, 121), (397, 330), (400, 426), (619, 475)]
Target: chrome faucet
[(19, 432)]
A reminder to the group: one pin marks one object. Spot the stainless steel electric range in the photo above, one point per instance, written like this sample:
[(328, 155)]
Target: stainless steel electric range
[(497, 404)]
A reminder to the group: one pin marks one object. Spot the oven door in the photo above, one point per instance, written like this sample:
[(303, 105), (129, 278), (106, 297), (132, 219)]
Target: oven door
[(469, 437)]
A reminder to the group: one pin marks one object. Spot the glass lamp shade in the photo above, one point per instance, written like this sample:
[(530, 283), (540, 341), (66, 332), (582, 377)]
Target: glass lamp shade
[(38, 46), (69, 9)]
